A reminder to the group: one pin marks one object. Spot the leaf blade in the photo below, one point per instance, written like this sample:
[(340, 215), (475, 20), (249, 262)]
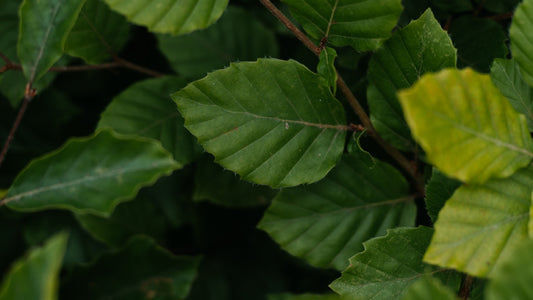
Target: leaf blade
[(521, 38)]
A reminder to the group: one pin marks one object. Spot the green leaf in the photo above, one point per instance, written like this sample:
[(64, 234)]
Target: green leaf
[(438, 190), (512, 279), (222, 187), (467, 127), (505, 75), (141, 270), (282, 136), (36, 276), (85, 176), (327, 222), (237, 36), (478, 41), (420, 47), (389, 265), (480, 224), (146, 109), (361, 24), (429, 288), (170, 16), (98, 33), (140, 216), (326, 67), (44, 27), (522, 38)]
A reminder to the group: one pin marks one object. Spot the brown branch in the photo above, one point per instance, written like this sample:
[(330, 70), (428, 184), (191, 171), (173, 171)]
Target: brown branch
[(28, 96), (352, 100), (501, 17), (466, 287)]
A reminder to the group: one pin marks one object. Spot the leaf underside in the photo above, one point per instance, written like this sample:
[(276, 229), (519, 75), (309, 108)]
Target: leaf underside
[(273, 122)]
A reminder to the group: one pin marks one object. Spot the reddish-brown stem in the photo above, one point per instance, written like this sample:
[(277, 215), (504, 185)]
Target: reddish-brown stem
[(501, 17), (352, 100), (28, 96), (466, 287)]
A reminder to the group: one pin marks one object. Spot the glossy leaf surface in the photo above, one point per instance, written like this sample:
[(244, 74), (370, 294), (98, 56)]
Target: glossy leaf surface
[(36, 276), (420, 47), (147, 271), (327, 222), (467, 127), (389, 265), (98, 33), (522, 39), (146, 109), (237, 36), (506, 76), (480, 224), (84, 176), (44, 27), (282, 136), (361, 24), (170, 16)]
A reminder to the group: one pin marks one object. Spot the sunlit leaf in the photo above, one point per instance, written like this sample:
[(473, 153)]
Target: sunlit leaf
[(512, 279), (146, 109), (36, 276), (170, 16), (480, 224), (141, 270), (237, 36), (273, 122), (85, 176), (44, 27), (522, 39), (327, 222), (505, 73), (389, 265), (467, 127), (361, 24), (420, 47), (98, 33)]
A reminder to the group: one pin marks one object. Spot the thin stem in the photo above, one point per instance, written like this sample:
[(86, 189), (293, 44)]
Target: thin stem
[(466, 287), (352, 100), (28, 96)]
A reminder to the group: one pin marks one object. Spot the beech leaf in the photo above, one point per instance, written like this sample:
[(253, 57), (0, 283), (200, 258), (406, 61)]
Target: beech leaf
[(273, 122), (429, 288), (37, 275), (170, 16), (389, 265), (327, 222), (84, 176), (467, 127), (522, 39), (44, 27), (480, 224), (362, 24), (422, 46)]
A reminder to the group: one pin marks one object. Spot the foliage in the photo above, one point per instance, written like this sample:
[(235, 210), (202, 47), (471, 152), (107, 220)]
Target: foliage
[(200, 149)]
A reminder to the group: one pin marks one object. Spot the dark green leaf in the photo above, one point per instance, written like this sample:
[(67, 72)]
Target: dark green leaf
[(506, 76), (454, 6), (428, 288), (478, 41), (480, 225), (146, 109), (225, 188), (303, 297), (420, 47), (36, 276), (438, 190), (170, 16), (237, 36), (361, 24), (44, 27), (98, 34), (84, 176), (141, 270), (467, 127), (327, 222), (273, 122), (389, 265), (499, 6)]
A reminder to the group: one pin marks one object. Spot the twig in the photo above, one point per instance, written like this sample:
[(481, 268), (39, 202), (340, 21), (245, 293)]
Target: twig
[(352, 100), (466, 287), (501, 17), (28, 96)]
